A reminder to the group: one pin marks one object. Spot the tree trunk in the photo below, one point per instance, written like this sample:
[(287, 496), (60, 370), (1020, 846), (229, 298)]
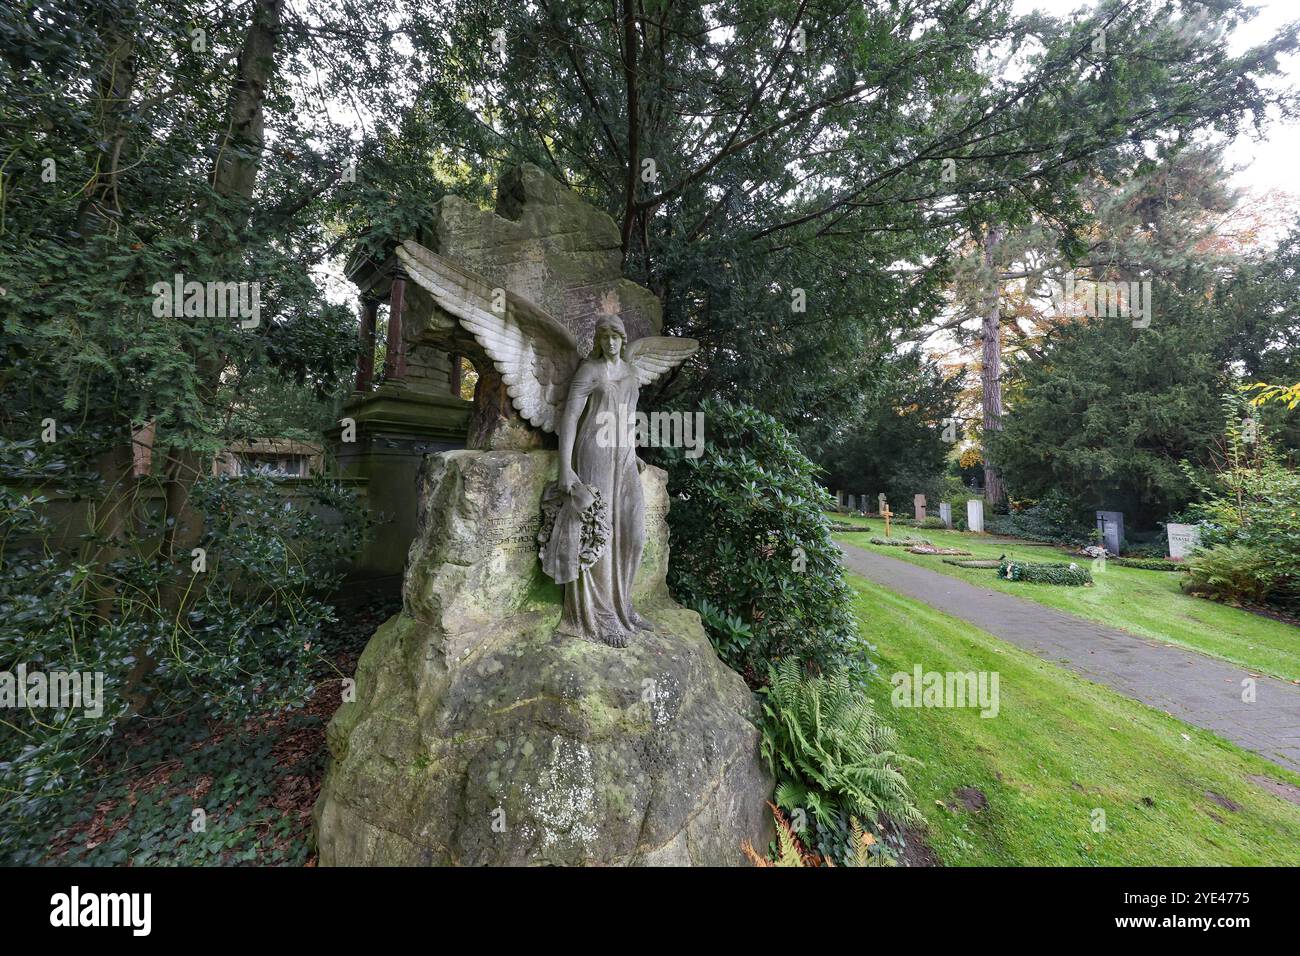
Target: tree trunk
[(101, 207), (991, 374), (633, 123), (235, 173), (110, 520), (100, 211), (234, 176)]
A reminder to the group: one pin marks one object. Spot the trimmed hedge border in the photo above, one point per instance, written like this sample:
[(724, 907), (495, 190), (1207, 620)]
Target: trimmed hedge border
[(1070, 575), (900, 542), (983, 564), (1149, 564), (842, 527), (931, 522)]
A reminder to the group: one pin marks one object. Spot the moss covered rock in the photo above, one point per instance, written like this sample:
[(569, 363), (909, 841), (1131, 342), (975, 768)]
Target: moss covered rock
[(480, 737)]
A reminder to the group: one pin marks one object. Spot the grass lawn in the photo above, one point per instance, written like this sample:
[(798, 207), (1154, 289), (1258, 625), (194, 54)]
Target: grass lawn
[(1059, 749), (1147, 603)]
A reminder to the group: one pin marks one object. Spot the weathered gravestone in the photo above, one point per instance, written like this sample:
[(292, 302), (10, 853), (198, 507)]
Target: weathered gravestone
[(1183, 539), (482, 732), (839, 501), (975, 515), (1111, 526), (918, 507), (945, 513), (880, 504), (848, 503)]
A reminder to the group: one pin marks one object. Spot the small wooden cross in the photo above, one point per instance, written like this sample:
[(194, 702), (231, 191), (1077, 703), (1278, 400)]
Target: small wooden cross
[(886, 514)]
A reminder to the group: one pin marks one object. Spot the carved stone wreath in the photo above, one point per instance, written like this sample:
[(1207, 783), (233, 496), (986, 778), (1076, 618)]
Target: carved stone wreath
[(593, 534)]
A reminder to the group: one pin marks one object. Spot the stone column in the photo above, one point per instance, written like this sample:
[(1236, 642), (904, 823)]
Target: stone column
[(453, 375), (395, 360), (366, 360), (393, 424)]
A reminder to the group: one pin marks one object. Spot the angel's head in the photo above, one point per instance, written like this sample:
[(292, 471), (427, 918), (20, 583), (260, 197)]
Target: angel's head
[(609, 339)]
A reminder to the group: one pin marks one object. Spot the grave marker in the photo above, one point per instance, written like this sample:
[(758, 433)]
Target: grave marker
[(975, 515), (1111, 526), (1182, 539), (945, 513), (918, 506)]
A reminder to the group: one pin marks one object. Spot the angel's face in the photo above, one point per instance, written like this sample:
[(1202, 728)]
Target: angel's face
[(609, 343)]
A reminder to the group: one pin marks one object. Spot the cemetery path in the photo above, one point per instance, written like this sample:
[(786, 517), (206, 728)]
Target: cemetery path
[(1203, 691)]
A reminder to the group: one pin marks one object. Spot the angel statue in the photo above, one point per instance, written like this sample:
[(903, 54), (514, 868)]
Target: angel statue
[(593, 528)]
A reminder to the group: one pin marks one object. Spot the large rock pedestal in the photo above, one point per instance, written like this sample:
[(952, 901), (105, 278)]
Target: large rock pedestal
[(479, 737)]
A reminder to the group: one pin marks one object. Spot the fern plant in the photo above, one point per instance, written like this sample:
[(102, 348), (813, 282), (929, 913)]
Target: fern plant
[(862, 842), (1233, 573), (788, 850), (829, 751)]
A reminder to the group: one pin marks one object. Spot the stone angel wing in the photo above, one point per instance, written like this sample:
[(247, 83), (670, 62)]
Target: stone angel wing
[(654, 355), (534, 353)]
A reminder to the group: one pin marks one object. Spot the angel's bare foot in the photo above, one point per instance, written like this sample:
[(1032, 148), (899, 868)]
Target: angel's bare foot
[(614, 638)]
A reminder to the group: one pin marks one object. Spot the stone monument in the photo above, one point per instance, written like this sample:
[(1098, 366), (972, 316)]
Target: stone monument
[(918, 507), (975, 515), (496, 720), (1183, 539), (1110, 524), (384, 430), (945, 513)]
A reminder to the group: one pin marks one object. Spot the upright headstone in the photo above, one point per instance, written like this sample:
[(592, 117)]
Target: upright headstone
[(848, 503), (1111, 526), (918, 506), (975, 514), (839, 501), (1182, 539), (945, 513)]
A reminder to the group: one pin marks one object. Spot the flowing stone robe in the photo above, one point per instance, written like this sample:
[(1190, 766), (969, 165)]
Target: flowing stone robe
[(599, 602)]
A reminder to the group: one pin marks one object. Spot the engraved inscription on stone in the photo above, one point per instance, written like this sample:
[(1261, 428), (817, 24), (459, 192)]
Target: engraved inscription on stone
[(512, 532)]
